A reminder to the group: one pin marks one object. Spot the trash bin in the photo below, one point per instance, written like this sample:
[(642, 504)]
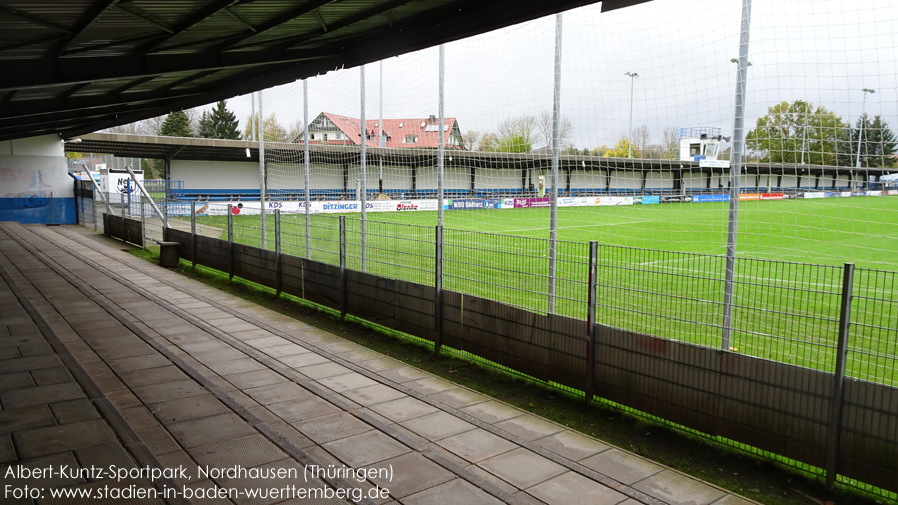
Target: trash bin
[(169, 254)]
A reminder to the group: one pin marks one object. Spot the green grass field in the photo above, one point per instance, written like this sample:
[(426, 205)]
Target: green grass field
[(661, 268)]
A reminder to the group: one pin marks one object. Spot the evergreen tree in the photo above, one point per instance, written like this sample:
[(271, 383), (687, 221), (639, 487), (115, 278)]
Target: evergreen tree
[(205, 128), (176, 124), (222, 122), (878, 143)]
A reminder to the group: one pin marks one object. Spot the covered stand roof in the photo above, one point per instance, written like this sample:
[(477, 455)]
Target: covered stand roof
[(76, 66)]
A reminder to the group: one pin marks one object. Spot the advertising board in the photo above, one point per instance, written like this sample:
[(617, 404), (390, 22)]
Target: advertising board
[(710, 198)]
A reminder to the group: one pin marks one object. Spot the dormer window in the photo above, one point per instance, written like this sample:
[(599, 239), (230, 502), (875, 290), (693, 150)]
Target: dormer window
[(410, 139)]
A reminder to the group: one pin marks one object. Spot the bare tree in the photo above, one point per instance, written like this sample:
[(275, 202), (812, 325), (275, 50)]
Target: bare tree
[(522, 127), (641, 138), (544, 124), (149, 126), (470, 140), (671, 147)]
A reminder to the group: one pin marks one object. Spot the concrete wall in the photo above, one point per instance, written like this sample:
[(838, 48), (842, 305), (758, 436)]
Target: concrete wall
[(217, 174), (34, 183)]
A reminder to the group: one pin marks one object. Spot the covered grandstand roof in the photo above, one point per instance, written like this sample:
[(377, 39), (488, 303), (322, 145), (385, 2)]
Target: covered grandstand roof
[(177, 148), (76, 66)]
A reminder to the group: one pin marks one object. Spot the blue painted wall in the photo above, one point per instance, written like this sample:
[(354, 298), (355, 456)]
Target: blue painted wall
[(38, 210)]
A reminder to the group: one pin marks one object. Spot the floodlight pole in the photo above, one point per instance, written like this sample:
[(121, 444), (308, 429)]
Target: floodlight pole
[(306, 164), (441, 148), (363, 187), (735, 172), (556, 133), (633, 76), (863, 119), (262, 173)]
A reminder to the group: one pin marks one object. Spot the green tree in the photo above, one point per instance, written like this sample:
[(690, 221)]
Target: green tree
[(514, 144), (273, 130), (176, 124), (220, 123), (798, 133), (878, 143), (622, 150)]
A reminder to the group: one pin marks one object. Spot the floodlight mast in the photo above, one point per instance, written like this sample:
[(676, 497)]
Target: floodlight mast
[(860, 134), (633, 76)]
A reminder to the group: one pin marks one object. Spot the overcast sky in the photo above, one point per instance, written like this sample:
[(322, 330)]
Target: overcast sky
[(823, 51)]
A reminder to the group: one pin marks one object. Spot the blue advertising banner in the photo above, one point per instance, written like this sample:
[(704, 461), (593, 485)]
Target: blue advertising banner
[(710, 198), (467, 203), (647, 200)]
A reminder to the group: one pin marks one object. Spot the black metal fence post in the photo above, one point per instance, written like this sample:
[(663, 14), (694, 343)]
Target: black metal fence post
[(193, 232), (279, 283), (143, 223), (342, 267), (835, 426), (230, 242), (591, 322), (438, 292)]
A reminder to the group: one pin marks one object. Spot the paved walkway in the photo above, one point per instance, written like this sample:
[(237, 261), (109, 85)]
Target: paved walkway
[(129, 383)]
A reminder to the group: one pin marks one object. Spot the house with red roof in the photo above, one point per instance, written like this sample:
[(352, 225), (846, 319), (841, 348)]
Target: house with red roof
[(412, 133)]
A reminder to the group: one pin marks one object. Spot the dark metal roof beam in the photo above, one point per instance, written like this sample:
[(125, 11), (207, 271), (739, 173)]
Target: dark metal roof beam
[(34, 19), (90, 17), (286, 42), (285, 17), (194, 19), (144, 17), (31, 42), (111, 43)]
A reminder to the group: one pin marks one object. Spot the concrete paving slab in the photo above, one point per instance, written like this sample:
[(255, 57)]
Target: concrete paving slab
[(438, 425), (403, 409), (365, 449), (459, 397), (186, 409), (345, 382), (59, 439), (40, 395), (574, 489), (678, 489), (155, 393), (304, 360), (207, 430), (249, 451), (323, 429), (454, 492), (492, 411), (430, 385), (622, 466), (571, 445), (236, 366), (476, 445), (412, 473), (529, 427), (276, 393), (302, 408), (74, 411), (255, 378), (522, 468), (372, 395)]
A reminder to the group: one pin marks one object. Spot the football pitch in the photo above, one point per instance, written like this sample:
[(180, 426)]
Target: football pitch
[(660, 267)]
